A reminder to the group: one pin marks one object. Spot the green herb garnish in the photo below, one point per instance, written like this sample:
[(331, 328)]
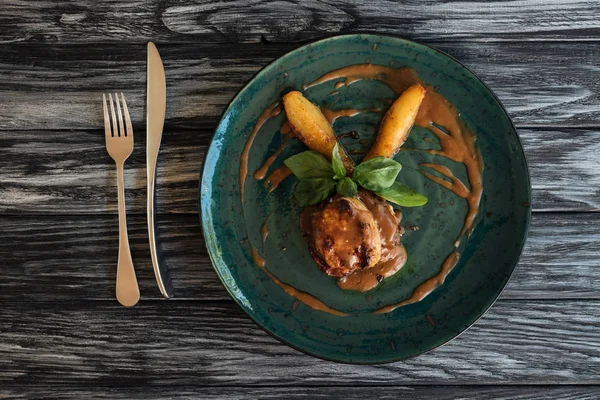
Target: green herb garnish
[(377, 173), (318, 179), (337, 164), (402, 195), (346, 187)]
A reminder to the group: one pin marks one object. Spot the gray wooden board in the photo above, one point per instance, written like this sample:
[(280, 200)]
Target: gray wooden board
[(62, 335), (292, 20), (205, 343), (57, 258), (59, 86), (57, 391)]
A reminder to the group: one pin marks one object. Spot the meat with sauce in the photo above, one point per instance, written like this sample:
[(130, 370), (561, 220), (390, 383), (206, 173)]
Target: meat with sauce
[(343, 235)]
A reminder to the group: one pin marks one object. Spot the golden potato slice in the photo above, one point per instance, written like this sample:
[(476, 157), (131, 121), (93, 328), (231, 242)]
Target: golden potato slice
[(311, 126), (397, 122)]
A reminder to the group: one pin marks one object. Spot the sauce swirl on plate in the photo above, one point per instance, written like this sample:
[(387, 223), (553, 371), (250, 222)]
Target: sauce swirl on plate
[(457, 143)]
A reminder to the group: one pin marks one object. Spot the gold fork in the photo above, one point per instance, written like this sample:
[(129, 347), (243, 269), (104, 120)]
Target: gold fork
[(119, 143)]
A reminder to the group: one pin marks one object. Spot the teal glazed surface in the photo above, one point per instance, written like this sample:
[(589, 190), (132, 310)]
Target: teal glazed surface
[(487, 258)]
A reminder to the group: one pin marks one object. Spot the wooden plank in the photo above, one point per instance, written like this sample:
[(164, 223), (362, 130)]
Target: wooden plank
[(562, 165), (74, 257), (58, 391), (64, 172), (292, 20), (191, 343), (560, 256), (46, 87)]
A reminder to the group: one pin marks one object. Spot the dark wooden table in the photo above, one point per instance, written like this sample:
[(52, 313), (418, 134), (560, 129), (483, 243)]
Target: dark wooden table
[(62, 334)]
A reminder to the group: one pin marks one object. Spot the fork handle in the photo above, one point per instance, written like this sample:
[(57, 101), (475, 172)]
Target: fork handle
[(128, 292)]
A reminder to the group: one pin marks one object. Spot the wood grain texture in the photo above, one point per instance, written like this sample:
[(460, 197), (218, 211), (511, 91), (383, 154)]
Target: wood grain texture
[(539, 392), (62, 334), (65, 172), (190, 343), (74, 257), (58, 87), (293, 20), (565, 159)]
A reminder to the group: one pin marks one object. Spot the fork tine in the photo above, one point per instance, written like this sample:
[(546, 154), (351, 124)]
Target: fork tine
[(121, 127), (115, 127), (107, 130), (129, 131)]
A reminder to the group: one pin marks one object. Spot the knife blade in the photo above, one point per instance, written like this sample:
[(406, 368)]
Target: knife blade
[(156, 104)]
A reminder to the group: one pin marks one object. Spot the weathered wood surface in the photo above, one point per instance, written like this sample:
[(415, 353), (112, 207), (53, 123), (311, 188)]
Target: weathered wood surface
[(201, 343), (59, 258), (46, 87), (539, 392), (63, 336), (293, 20), (65, 172)]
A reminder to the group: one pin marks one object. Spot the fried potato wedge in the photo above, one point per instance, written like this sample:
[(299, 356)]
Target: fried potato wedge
[(311, 126), (397, 122)]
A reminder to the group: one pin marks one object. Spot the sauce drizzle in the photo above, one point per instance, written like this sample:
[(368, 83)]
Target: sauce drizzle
[(286, 135), (426, 287), (393, 253), (333, 115), (272, 111), (276, 177), (457, 143), (304, 297)]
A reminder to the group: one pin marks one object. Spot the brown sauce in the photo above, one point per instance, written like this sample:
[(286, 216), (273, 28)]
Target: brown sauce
[(385, 216), (457, 143), (333, 115), (352, 134), (397, 79), (426, 287), (286, 135), (393, 253), (455, 184), (276, 177), (366, 279), (272, 111), (301, 296)]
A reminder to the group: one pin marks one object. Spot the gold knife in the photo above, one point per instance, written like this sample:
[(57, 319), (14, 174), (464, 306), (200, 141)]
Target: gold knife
[(156, 105)]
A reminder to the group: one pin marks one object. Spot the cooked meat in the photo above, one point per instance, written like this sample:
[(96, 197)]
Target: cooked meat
[(343, 236)]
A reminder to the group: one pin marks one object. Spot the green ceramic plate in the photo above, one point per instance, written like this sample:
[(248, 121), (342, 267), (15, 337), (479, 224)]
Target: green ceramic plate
[(487, 258)]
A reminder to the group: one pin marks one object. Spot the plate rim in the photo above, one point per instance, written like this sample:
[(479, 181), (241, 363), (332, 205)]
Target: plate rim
[(211, 148)]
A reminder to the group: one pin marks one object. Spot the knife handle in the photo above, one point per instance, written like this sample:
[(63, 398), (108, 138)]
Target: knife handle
[(163, 277)]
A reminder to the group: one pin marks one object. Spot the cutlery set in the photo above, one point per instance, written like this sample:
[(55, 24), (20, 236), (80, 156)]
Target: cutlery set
[(119, 144)]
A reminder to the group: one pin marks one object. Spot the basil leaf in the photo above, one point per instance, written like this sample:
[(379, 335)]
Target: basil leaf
[(313, 190), (337, 163), (377, 173), (347, 187), (309, 164), (402, 195)]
